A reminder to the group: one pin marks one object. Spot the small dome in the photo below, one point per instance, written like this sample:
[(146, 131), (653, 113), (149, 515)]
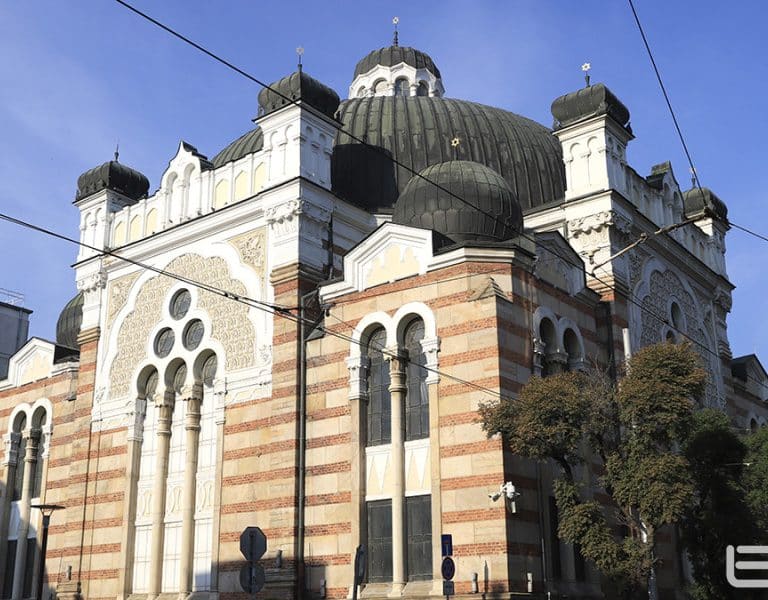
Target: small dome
[(68, 325), (251, 142), (587, 102), (703, 201), (394, 55), (489, 213), (299, 86), (114, 176)]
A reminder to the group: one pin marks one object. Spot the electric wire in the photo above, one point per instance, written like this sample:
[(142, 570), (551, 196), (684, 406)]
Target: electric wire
[(270, 308), (250, 77)]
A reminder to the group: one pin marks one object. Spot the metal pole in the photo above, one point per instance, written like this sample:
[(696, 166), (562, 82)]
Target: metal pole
[(43, 548), (253, 565)]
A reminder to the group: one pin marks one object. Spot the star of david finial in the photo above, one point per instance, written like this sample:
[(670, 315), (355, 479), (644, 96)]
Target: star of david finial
[(586, 68), (395, 21), (300, 53)]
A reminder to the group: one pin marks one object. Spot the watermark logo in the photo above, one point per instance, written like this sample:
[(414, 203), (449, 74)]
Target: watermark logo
[(733, 567)]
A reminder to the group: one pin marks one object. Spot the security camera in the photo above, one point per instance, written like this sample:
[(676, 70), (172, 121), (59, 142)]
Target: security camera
[(511, 494)]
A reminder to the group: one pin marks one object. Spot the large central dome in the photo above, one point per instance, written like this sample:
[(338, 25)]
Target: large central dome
[(417, 132)]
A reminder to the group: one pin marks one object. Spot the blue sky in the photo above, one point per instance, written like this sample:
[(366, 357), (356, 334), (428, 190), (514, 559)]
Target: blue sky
[(76, 77)]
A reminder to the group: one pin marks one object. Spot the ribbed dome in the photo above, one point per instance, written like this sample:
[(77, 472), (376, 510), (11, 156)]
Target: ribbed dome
[(68, 325), (248, 143), (703, 201), (489, 211), (112, 175), (417, 131), (394, 55), (299, 86)]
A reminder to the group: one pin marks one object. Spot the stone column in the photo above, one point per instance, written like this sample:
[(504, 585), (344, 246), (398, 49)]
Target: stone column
[(358, 397), (30, 458), (135, 437), (12, 441), (192, 429), (164, 419), (397, 388)]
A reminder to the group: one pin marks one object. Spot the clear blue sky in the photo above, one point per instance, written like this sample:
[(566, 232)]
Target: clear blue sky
[(76, 77)]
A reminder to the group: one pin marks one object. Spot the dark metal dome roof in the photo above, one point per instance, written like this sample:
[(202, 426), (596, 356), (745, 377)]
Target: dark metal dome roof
[(703, 201), (417, 131), (68, 325), (394, 55), (489, 211), (299, 86), (248, 143), (590, 101), (115, 176)]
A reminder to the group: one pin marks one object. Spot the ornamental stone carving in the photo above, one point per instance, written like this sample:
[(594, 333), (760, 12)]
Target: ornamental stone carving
[(118, 294), (251, 247), (598, 221), (92, 282), (231, 326), (283, 218)]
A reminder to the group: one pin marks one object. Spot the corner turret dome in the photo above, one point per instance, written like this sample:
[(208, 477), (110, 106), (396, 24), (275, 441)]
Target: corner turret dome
[(68, 325), (703, 201), (298, 86), (591, 101), (115, 176), (489, 213)]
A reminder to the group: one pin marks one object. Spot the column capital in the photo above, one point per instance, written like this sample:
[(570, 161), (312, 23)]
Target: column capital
[(358, 373)]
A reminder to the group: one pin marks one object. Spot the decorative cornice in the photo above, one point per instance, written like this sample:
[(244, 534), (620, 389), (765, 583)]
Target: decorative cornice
[(598, 221)]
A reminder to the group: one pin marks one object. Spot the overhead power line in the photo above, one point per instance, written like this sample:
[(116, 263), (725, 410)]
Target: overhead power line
[(270, 308), (408, 168)]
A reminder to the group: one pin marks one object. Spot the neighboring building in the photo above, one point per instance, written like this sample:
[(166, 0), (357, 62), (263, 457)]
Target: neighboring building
[(187, 413), (14, 327)]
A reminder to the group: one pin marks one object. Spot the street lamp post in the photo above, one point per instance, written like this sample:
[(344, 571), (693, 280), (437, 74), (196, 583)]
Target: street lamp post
[(47, 510)]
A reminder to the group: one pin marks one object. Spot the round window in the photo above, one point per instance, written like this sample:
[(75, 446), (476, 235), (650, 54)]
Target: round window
[(180, 303), (164, 342), (193, 334), (180, 378), (209, 369)]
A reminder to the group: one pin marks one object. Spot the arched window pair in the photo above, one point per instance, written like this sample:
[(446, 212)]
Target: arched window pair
[(416, 409), (413, 511), (26, 450), (557, 347)]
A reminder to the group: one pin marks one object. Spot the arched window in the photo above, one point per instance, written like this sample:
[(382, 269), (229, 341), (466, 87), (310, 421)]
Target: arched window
[(401, 87), (422, 89), (379, 427), (380, 87), (548, 337), (417, 399), (18, 482), (573, 349)]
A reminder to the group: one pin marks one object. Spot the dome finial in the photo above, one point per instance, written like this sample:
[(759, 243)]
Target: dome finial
[(395, 21), (299, 53), (455, 143), (585, 68), (117, 150)]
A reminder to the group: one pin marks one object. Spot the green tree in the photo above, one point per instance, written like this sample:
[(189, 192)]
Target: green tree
[(756, 479), (719, 514), (634, 430)]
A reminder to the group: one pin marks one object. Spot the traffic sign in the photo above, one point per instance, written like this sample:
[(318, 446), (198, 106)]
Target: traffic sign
[(252, 578), (448, 588), (448, 568), (253, 543), (446, 543)]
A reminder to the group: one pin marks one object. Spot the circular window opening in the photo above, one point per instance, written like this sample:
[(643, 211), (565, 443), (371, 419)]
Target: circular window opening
[(180, 378), (180, 304), (164, 342), (193, 334), (209, 369)]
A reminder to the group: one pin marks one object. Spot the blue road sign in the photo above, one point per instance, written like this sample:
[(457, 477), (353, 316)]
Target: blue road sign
[(446, 543), (448, 568)]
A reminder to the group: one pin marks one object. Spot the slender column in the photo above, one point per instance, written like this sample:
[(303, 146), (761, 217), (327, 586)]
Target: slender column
[(397, 390), (12, 441), (30, 458), (358, 398), (192, 428), (164, 418)]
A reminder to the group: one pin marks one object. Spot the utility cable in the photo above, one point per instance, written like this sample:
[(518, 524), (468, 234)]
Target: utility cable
[(409, 169), (270, 308)]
